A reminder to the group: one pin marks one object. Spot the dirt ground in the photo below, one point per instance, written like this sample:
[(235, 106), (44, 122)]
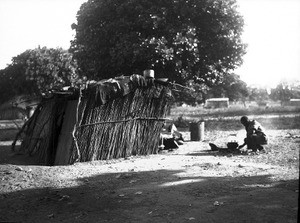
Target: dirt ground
[(190, 184)]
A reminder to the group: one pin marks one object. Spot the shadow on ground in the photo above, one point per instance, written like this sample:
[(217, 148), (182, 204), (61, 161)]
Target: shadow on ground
[(156, 196), (222, 152), (7, 156)]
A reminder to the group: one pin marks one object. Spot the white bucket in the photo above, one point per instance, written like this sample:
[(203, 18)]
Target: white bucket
[(148, 73)]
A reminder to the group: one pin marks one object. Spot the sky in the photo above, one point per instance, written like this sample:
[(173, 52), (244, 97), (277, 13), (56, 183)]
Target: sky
[(272, 32), (26, 24)]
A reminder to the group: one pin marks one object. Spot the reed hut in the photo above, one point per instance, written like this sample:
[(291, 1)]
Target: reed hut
[(103, 120)]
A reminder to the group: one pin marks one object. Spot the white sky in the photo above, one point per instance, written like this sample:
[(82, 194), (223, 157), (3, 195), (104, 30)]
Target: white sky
[(26, 24), (272, 31)]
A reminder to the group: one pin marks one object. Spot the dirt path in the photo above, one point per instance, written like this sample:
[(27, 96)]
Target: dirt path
[(191, 184)]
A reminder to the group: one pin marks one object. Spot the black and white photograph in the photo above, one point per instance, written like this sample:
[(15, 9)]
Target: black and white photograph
[(149, 111)]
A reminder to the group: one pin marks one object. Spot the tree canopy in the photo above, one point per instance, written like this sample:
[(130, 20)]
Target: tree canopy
[(36, 71), (231, 86), (286, 90), (184, 40)]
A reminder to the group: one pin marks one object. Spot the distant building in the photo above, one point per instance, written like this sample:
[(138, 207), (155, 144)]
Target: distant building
[(294, 102), (217, 103)]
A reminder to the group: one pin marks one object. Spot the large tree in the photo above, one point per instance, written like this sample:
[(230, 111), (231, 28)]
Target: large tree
[(230, 86), (286, 90), (258, 94), (37, 71), (184, 40)]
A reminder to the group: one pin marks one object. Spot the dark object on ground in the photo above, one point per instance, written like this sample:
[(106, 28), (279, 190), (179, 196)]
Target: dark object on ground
[(170, 143), (231, 147), (213, 147)]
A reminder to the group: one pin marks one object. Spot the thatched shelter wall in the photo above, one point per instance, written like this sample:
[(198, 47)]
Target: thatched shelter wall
[(109, 119), (42, 130)]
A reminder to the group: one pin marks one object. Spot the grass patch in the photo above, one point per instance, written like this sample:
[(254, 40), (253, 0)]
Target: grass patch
[(228, 118), (237, 110)]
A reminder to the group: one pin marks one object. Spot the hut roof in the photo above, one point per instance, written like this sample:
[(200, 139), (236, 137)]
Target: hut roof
[(109, 89)]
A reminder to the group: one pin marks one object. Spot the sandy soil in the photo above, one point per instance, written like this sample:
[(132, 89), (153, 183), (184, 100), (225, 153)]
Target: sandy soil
[(190, 184)]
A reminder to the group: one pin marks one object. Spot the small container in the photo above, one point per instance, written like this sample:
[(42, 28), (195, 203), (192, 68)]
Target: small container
[(197, 131), (148, 73)]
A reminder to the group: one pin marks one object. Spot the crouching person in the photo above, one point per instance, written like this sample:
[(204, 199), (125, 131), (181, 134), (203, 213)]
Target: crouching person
[(255, 137)]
